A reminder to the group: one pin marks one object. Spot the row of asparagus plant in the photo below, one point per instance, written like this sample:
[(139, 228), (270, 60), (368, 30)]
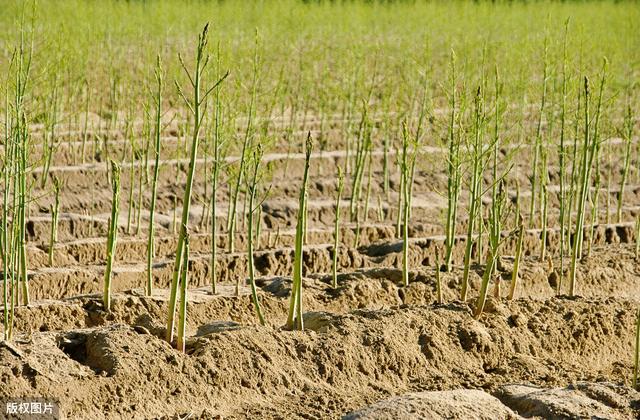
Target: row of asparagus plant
[(479, 157), (16, 177)]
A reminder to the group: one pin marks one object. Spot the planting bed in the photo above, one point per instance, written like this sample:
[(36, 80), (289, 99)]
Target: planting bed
[(366, 340)]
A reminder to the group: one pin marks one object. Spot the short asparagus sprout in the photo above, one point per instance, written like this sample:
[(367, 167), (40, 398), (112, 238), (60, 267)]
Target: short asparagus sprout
[(367, 197), (475, 196), (438, 278), (232, 216), (112, 235), (495, 240), (215, 175), (132, 172), (398, 224), (294, 320), (595, 196), (538, 139), (516, 261), (406, 164), (252, 182), (627, 135), (565, 200), (19, 130), (498, 186), (51, 141), (636, 358), (157, 97), (363, 155), (85, 126), (276, 240), (336, 231), (544, 202), (453, 171), (184, 284), (7, 253), (572, 200), (363, 149), (637, 232), (55, 212), (143, 177), (385, 157), (589, 152), (380, 210)]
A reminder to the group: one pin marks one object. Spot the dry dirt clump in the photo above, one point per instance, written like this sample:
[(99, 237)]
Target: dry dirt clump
[(458, 404), (579, 401), (341, 363)]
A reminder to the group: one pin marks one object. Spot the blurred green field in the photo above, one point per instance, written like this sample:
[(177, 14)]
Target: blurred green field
[(317, 57)]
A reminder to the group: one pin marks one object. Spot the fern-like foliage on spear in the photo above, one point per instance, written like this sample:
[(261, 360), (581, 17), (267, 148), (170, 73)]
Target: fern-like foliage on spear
[(195, 106), (254, 178)]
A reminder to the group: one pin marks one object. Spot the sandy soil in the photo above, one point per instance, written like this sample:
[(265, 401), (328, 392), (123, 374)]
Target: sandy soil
[(372, 348)]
